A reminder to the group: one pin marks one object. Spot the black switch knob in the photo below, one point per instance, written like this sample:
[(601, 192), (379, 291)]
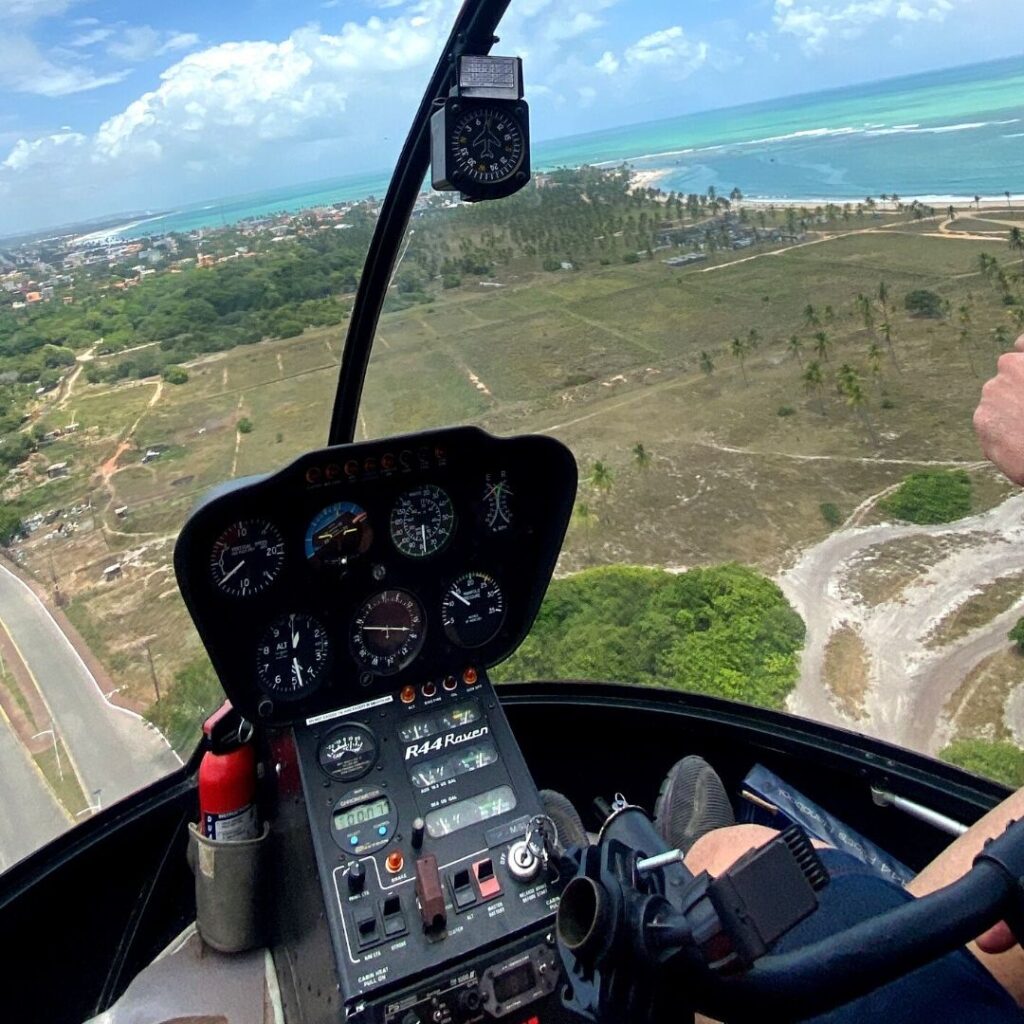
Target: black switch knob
[(356, 877), (418, 828)]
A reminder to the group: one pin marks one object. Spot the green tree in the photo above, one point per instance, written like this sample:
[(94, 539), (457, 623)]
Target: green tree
[(796, 347), (1017, 635), (814, 380), (641, 456), (922, 302), (180, 714), (601, 477), (1001, 761), (707, 364), (245, 425), (10, 524), (739, 352), (931, 496), (821, 345), (811, 316), (175, 375), (1017, 241)]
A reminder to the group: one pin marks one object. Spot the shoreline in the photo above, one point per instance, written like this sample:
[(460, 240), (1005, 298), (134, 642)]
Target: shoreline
[(643, 179)]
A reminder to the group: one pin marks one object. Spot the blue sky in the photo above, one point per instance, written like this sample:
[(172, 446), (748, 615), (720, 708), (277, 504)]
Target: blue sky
[(108, 106)]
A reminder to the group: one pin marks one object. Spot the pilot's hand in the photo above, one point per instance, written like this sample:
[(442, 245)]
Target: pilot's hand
[(999, 418), (998, 939)]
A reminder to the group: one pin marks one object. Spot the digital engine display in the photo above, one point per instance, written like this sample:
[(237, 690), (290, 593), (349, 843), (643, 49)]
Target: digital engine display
[(446, 820)]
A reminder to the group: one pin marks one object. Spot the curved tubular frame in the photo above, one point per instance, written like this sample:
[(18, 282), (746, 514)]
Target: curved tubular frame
[(473, 32)]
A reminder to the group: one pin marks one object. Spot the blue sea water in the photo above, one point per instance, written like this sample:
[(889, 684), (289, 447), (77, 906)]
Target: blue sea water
[(953, 133)]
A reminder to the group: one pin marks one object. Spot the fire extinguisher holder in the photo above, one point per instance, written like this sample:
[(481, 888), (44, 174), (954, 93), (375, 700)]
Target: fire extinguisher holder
[(230, 889)]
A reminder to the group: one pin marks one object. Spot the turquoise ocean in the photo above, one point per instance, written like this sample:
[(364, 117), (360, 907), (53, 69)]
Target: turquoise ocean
[(947, 134)]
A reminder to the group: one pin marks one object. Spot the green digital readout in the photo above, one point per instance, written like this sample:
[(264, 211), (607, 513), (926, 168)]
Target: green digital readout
[(349, 817)]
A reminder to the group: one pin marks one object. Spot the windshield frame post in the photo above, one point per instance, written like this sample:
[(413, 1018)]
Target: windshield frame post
[(473, 32)]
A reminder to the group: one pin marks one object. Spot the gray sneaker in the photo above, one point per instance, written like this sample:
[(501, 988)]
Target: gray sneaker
[(692, 802), (568, 822)]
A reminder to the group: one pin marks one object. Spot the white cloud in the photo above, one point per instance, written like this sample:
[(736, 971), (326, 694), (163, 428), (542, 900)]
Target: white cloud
[(238, 105), (668, 47), (92, 37), (608, 63), (814, 23), (31, 10), (24, 69), (48, 150), (141, 42)]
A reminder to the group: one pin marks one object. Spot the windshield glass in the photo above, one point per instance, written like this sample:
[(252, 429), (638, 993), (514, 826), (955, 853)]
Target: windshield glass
[(186, 201), (766, 258), (768, 255)]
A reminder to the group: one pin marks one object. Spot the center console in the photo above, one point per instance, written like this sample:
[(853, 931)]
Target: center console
[(351, 604)]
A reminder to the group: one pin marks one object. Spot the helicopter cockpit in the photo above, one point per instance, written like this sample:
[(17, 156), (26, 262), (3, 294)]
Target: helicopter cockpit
[(383, 847)]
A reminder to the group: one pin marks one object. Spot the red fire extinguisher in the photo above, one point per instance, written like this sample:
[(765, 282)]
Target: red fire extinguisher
[(227, 777)]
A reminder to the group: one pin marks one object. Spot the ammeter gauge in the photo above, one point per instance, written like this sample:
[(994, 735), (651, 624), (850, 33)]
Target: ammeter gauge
[(348, 752)]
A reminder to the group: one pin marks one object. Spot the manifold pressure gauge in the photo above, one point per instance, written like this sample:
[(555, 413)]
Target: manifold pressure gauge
[(480, 138)]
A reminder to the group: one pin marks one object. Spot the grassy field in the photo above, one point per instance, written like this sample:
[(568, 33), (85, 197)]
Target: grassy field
[(603, 358)]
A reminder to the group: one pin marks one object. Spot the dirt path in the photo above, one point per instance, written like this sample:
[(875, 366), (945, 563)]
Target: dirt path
[(910, 681), (841, 458), (69, 384)]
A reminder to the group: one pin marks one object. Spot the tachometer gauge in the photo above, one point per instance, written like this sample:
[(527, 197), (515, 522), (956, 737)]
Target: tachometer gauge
[(337, 535), (348, 752), (473, 609), (497, 502), (291, 658), (387, 632), (422, 521), (247, 557)]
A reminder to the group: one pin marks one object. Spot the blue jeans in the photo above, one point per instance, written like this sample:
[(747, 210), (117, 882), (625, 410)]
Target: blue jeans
[(953, 990)]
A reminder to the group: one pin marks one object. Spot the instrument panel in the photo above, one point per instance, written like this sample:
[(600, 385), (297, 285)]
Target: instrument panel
[(367, 568)]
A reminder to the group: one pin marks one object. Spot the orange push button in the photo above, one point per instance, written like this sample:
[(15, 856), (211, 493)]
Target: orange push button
[(395, 861), (408, 694), (469, 675)]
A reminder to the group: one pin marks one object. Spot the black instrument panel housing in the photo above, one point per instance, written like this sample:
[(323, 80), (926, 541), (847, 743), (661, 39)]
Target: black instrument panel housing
[(541, 474)]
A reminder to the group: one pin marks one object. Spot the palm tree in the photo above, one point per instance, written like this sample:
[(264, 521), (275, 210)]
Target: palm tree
[(858, 402), (1009, 205), (736, 195), (867, 312), (753, 339), (796, 346), (814, 380), (601, 477), (883, 298), (951, 212), (977, 202), (739, 351), (1017, 240), (707, 363), (887, 334), (584, 515), (965, 341), (999, 338), (641, 456), (811, 316), (875, 363), (821, 345)]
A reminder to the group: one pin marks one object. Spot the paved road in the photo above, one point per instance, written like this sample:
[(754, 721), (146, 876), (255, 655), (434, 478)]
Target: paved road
[(29, 815), (114, 752)]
